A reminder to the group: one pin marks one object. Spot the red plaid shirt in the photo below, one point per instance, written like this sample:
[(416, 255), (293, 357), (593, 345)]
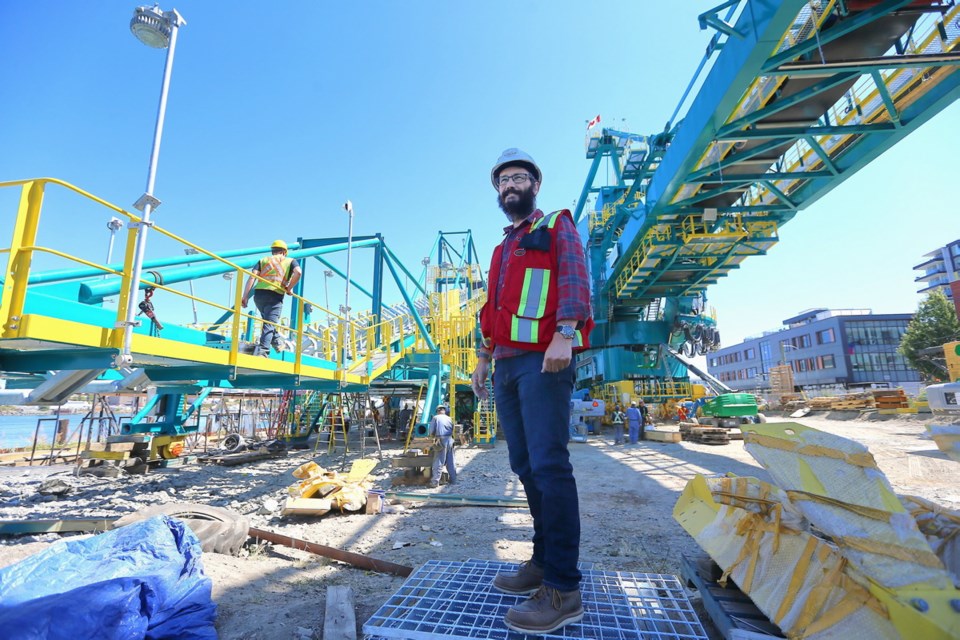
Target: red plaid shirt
[(573, 284)]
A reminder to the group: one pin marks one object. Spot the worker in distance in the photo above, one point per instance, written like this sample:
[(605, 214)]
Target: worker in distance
[(278, 275)]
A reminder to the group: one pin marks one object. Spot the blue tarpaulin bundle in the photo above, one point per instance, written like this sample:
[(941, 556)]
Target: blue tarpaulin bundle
[(144, 580)]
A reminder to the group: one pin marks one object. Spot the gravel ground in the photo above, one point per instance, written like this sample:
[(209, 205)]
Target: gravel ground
[(627, 494)]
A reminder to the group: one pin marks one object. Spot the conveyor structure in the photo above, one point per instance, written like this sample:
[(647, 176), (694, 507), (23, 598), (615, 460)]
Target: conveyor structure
[(800, 95)]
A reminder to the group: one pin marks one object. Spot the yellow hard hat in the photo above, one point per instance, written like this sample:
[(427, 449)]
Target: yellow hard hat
[(279, 244)]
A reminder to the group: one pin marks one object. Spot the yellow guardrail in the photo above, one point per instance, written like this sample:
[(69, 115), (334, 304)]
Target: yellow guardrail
[(396, 337)]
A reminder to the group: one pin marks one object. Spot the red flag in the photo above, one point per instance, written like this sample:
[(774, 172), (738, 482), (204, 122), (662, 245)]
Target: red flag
[(593, 123)]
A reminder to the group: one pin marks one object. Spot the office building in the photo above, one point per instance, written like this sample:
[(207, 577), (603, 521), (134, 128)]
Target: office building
[(827, 349)]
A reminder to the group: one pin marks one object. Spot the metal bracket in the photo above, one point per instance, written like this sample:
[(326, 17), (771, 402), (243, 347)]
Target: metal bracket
[(711, 19), (122, 324), (144, 200), (142, 223)]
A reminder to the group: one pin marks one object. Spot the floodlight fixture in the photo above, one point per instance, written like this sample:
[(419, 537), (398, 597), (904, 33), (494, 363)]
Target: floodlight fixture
[(152, 26)]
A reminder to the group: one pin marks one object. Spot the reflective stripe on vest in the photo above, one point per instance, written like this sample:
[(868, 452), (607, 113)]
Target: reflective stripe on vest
[(273, 270), (524, 330), (577, 339), (550, 220), (533, 297)]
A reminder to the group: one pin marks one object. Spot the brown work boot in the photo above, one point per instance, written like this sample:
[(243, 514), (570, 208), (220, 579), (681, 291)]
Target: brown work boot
[(521, 582), (545, 611)]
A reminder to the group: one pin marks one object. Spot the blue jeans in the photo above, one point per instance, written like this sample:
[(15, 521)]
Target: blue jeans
[(270, 305), (617, 433), (534, 411), (444, 457)]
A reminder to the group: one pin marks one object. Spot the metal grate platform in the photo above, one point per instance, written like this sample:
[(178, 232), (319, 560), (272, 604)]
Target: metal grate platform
[(457, 600)]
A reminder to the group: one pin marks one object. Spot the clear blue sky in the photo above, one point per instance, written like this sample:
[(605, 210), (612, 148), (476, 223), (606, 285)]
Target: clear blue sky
[(278, 112)]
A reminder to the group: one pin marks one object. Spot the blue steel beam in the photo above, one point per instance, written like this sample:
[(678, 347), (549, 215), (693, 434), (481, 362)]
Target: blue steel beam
[(94, 292), (737, 158), (734, 70), (786, 133), (840, 29), (870, 147), (769, 175), (587, 186), (396, 261), (89, 272), (785, 103), (388, 259), (863, 65), (356, 285)]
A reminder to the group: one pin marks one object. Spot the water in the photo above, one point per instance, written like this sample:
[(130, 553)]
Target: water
[(17, 431)]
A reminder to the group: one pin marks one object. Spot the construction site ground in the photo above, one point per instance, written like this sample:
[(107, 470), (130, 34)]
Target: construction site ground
[(627, 494)]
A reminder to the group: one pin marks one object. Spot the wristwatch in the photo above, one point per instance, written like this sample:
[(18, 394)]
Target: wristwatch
[(567, 332)]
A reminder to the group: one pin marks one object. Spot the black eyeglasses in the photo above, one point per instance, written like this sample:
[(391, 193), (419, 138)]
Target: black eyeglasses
[(518, 178)]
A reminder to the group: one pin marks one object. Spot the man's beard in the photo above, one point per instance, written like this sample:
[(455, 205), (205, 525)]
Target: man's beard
[(521, 207)]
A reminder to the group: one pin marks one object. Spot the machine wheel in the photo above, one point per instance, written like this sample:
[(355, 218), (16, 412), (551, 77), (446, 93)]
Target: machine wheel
[(219, 530), (761, 418), (171, 450)]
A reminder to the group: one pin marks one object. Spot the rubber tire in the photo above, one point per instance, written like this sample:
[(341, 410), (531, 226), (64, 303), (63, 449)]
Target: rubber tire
[(220, 530), (761, 418), (233, 442)]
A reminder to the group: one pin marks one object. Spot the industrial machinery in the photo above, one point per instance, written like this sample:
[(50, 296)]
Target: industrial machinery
[(800, 96), (583, 414), (729, 410)]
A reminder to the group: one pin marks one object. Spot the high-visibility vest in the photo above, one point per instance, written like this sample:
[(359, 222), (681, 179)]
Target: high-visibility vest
[(523, 313), (617, 417), (274, 269)]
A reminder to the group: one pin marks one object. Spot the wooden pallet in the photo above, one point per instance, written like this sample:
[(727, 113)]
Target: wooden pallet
[(704, 435), (731, 610), (662, 436)]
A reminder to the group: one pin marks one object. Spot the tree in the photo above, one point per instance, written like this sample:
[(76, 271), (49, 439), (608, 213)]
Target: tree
[(934, 324)]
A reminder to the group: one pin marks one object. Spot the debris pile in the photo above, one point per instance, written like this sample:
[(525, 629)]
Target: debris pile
[(320, 490)]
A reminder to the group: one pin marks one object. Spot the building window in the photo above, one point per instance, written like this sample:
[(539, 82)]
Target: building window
[(750, 353), (828, 361), (826, 336)]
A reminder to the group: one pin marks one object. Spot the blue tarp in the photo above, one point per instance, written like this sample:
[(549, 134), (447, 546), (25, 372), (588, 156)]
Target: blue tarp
[(144, 580)]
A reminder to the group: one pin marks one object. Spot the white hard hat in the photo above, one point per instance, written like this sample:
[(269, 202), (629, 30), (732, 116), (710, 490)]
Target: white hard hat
[(515, 156)]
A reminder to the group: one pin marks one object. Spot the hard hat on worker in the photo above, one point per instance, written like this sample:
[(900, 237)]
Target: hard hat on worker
[(514, 157), (279, 244)]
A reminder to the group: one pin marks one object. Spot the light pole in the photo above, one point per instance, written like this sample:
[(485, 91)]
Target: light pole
[(228, 276), (327, 274), (783, 348), (157, 29), (190, 251), (114, 225), (348, 207)]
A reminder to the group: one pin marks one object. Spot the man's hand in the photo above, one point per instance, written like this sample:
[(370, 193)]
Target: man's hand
[(559, 354), (244, 301), (479, 378)]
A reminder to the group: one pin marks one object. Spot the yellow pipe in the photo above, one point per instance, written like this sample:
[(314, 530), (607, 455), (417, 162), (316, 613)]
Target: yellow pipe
[(18, 262)]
